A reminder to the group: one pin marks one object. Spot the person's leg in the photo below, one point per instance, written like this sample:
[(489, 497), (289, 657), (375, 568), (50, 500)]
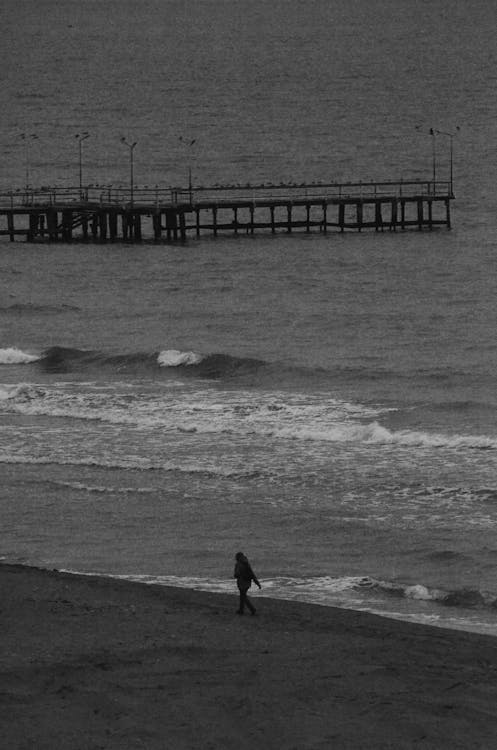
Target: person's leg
[(249, 603), (245, 602)]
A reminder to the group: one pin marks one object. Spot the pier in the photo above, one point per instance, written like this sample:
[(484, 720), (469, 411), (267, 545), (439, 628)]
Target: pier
[(110, 214)]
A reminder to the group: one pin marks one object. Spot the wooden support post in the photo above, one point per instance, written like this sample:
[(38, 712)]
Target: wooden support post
[(214, 220), (182, 226), (308, 218), (325, 217), (171, 224), (52, 225), (341, 216), (402, 214), (289, 217), (197, 221), (447, 213), (84, 226), (252, 219), (10, 226), (113, 225), (430, 215), (102, 225), (137, 225), (420, 213), (378, 219), (125, 225), (273, 228), (157, 224), (94, 227), (393, 215), (235, 219), (33, 227), (67, 225), (359, 215)]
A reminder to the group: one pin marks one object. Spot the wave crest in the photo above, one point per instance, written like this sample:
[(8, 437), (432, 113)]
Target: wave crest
[(14, 356), (175, 358), (463, 597), (330, 422), (375, 434), (59, 359), (20, 393)]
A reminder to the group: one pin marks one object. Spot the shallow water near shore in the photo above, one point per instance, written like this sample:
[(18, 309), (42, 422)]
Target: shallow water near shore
[(325, 403), (366, 487)]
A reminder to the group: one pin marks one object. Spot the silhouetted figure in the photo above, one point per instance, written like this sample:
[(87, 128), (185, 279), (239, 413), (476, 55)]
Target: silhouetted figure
[(244, 576)]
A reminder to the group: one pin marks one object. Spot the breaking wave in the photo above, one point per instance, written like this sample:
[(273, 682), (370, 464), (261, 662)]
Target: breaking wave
[(463, 597), (60, 359), (175, 358), (15, 356), (20, 394), (190, 364), (132, 463), (284, 418), (375, 433)]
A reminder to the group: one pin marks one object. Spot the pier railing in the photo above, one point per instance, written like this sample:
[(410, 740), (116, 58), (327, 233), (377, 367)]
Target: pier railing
[(320, 191), (99, 195), (109, 195)]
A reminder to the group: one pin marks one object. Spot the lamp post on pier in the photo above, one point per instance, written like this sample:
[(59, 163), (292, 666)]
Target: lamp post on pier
[(434, 159), (432, 133), (451, 137), (131, 147), (27, 138), (189, 144), (81, 137)]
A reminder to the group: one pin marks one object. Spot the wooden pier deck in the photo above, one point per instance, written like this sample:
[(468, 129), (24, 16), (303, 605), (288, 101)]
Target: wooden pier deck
[(108, 214)]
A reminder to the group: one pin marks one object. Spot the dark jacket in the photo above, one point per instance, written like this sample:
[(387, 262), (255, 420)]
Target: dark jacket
[(244, 574)]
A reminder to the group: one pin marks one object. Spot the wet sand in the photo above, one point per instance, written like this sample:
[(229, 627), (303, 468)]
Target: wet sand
[(99, 663)]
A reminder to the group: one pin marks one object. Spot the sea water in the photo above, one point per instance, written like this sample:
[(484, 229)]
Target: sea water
[(327, 404)]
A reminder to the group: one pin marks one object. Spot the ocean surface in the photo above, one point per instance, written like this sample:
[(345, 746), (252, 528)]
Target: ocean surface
[(327, 404)]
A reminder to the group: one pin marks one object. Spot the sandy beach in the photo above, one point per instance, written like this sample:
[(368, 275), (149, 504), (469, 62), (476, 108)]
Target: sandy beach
[(101, 663)]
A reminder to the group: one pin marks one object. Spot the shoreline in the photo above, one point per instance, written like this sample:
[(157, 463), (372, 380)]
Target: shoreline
[(442, 619), (91, 662)]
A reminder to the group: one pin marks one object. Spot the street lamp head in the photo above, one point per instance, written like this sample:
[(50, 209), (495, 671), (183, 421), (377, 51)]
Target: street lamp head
[(445, 132), (129, 145)]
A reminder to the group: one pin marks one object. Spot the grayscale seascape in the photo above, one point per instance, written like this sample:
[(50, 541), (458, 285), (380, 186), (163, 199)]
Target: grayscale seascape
[(326, 403)]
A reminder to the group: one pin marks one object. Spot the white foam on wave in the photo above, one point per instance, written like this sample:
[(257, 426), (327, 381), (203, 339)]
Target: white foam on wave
[(15, 356), (102, 489), (176, 358), (269, 415), (374, 433), (130, 463), (23, 392)]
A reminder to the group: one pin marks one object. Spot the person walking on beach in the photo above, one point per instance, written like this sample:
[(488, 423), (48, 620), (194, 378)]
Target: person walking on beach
[(244, 576)]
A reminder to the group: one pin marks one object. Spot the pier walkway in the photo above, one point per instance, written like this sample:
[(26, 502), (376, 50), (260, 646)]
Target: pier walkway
[(107, 214)]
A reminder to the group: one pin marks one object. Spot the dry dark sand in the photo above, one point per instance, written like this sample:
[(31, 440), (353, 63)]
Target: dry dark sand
[(99, 663)]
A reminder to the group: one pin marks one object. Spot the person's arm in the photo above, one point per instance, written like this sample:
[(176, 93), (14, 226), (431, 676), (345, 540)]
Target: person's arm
[(255, 579)]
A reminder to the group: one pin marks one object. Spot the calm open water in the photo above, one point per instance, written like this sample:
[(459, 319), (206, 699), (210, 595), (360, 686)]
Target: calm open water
[(326, 404)]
